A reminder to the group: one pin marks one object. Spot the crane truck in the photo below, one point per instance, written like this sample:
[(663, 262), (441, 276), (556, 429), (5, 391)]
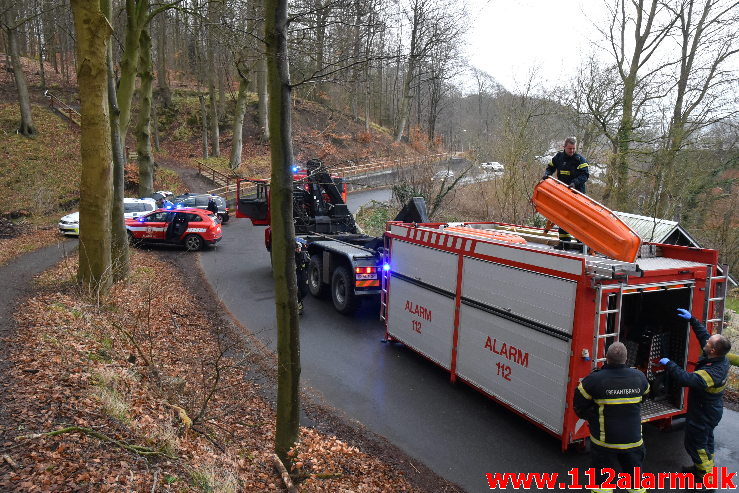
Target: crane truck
[(344, 262)]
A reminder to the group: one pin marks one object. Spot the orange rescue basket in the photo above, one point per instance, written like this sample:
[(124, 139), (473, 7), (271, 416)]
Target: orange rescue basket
[(587, 220)]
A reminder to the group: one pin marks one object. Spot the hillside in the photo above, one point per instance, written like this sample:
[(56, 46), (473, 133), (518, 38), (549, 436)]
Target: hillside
[(41, 182)]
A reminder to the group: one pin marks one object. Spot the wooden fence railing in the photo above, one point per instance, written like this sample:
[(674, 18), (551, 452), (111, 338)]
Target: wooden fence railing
[(217, 177), (385, 165), (228, 188), (64, 109)]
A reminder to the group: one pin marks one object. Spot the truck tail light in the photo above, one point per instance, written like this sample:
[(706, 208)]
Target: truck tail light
[(366, 277)]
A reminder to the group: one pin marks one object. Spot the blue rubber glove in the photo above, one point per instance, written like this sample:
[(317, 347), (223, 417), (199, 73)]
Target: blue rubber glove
[(683, 313), (664, 361)]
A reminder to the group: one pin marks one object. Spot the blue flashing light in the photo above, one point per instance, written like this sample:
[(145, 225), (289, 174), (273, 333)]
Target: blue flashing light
[(386, 267)]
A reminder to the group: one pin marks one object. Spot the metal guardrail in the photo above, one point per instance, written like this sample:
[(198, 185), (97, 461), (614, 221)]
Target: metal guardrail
[(63, 108), (228, 190)]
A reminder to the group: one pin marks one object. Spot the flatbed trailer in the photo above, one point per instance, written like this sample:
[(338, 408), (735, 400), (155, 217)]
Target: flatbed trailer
[(523, 322)]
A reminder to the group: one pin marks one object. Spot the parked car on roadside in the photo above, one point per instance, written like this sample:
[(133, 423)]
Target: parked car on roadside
[(200, 200), (443, 174), (161, 194), (492, 166), (191, 227), (132, 208)]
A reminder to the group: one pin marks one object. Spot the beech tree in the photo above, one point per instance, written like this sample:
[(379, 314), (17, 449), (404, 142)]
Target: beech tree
[(432, 23), (119, 237), (708, 40), (636, 32), (11, 23), (283, 230), (93, 32), (143, 126), (238, 124)]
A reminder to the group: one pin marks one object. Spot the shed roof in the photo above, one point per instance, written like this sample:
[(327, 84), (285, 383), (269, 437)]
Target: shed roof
[(654, 229)]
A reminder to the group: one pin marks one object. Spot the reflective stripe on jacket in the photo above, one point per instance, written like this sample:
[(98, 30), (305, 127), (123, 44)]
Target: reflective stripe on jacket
[(570, 169), (707, 382), (610, 400)]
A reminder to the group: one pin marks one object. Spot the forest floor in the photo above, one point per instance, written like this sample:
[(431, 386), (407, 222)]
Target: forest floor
[(145, 390), (152, 389)]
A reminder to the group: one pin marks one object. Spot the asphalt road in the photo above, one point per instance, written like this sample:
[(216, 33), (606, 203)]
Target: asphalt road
[(454, 430)]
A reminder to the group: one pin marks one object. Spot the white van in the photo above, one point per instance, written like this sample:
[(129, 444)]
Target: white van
[(132, 208)]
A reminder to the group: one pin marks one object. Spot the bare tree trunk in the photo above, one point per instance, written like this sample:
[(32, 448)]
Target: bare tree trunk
[(212, 75), (405, 101), (162, 83), (222, 75), (238, 126), (283, 232), (26, 127), (39, 40), (263, 98), (120, 256), (143, 129), (136, 12), (215, 132), (204, 117), (93, 33), (155, 123), (647, 37)]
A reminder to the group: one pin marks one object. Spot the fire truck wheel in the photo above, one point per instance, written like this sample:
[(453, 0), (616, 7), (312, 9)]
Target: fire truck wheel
[(315, 284), (342, 291), (193, 243)]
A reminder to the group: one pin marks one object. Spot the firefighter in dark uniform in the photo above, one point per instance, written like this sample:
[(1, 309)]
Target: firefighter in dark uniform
[(572, 170), (706, 401), (302, 260), (610, 399)]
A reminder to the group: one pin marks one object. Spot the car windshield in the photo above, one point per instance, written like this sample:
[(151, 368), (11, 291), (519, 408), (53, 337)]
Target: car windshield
[(154, 218), (137, 207)]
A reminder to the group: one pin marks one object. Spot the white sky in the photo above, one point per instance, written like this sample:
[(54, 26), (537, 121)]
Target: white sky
[(509, 38)]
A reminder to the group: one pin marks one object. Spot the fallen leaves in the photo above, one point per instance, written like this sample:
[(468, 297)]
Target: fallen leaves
[(68, 351)]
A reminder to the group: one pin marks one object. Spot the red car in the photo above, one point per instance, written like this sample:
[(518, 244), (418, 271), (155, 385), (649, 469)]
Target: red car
[(190, 227)]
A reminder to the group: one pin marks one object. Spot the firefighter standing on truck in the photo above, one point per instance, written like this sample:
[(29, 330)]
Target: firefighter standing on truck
[(610, 400), (572, 170), (706, 400)]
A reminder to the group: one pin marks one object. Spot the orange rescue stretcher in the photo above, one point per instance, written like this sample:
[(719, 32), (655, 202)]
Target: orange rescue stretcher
[(587, 220)]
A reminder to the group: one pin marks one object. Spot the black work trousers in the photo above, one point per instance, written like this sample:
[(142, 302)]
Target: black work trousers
[(628, 459)]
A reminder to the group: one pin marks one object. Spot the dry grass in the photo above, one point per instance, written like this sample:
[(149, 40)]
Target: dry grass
[(42, 175)]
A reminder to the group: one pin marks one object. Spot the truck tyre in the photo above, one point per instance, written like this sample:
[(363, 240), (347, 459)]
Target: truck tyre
[(342, 291), (316, 285), (193, 243)]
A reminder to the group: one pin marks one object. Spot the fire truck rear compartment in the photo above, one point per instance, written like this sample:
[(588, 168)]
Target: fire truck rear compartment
[(650, 329)]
